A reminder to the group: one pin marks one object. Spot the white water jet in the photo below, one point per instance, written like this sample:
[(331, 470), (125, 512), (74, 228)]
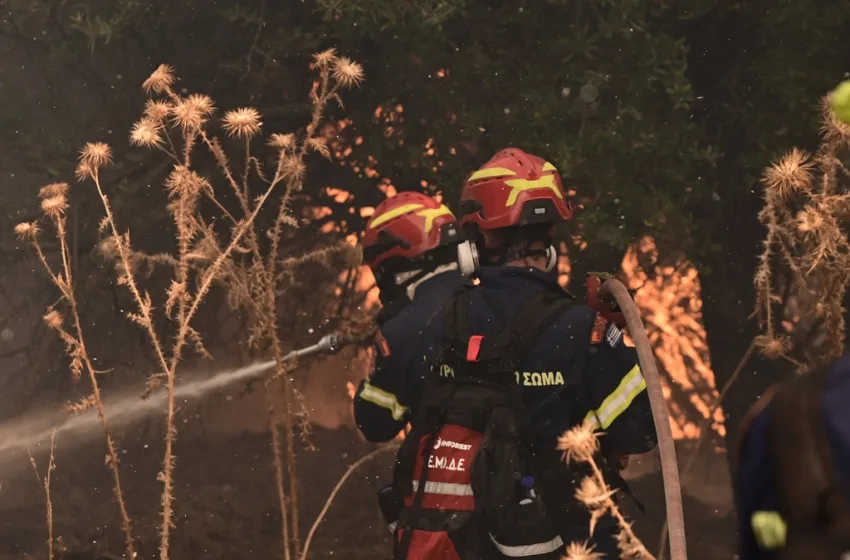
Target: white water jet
[(24, 434)]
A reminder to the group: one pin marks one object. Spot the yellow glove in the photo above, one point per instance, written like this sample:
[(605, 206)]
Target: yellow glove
[(769, 528)]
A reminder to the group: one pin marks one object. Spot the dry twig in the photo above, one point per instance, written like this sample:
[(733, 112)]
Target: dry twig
[(806, 251), (354, 466), (54, 203), (51, 466), (580, 444)]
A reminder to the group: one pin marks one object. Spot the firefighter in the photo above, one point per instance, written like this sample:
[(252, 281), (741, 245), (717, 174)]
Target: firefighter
[(516, 362), (794, 469), (410, 244)]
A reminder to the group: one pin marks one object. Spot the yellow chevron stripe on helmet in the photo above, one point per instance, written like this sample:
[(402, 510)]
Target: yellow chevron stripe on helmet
[(519, 185), (431, 214), (392, 214), (490, 172)]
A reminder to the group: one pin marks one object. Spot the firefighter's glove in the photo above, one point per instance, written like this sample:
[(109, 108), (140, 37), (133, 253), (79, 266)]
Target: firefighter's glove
[(360, 332), (604, 304), (769, 529)]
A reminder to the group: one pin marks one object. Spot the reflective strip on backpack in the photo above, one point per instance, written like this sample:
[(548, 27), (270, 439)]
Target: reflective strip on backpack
[(618, 401), (528, 549), (383, 399), (445, 488)]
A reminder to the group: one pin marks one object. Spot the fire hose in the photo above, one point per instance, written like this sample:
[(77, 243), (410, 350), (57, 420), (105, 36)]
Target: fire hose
[(334, 342), (660, 416)]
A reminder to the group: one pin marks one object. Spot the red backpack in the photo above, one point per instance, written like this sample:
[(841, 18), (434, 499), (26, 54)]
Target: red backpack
[(469, 485)]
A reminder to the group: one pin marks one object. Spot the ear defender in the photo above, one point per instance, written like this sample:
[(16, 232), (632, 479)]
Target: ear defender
[(467, 257), (552, 256)]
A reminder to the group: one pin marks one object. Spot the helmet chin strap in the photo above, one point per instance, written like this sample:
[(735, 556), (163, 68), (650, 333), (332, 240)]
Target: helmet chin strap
[(552, 261), (411, 286), (549, 253), (399, 288)]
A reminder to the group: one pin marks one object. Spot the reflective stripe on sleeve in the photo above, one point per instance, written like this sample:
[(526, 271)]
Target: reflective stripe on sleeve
[(445, 488), (618, 401), (383, 399), (528, 549)]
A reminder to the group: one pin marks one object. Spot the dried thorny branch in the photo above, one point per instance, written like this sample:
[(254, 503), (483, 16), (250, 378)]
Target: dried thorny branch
[(806, 252), (54, 203), (581, 445), (247, 263), (250, 274), (354, 466), (48, 502)]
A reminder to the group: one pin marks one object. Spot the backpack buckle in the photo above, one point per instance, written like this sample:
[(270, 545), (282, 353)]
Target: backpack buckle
[(474, 347)]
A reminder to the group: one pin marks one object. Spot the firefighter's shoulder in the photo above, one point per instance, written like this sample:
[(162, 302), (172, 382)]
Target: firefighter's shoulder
[(402, 333), (581, 324)]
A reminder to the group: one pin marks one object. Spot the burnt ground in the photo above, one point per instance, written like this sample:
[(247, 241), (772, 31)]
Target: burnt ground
[(226, 504)]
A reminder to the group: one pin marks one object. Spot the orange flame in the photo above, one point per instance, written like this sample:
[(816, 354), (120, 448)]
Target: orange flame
[(671, 307)]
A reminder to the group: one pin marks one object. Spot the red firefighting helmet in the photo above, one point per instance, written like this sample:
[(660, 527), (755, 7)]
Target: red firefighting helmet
[(513, 189), (408, 226)]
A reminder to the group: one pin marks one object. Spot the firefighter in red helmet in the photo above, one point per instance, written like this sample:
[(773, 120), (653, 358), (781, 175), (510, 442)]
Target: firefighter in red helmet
[(512, 362), (410, 244)]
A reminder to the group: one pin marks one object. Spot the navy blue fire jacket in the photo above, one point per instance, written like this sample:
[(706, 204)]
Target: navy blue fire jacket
[(381, 404), (580, 369), (758, 501)]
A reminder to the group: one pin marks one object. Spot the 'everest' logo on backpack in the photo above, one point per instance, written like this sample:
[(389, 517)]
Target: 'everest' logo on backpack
[(453, 444)]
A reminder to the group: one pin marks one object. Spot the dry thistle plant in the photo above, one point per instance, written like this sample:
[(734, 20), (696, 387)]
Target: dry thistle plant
[(247, 264), (48, 503), (54, 203), (581, 444), (802, 277)]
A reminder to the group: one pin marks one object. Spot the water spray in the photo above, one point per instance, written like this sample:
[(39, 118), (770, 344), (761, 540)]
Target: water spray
[(125, 410)]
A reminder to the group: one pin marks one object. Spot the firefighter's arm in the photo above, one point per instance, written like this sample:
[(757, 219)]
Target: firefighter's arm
[(381, 401), (761, 526), (618, 402)]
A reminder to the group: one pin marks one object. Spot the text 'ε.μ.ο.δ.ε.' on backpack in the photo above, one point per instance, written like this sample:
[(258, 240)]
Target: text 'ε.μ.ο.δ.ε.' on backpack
[(463, 470), (813, 499)]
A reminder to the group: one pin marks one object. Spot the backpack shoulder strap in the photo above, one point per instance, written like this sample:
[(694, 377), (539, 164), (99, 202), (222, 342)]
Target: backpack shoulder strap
[(809, 486), (534, 316), (455, 318)]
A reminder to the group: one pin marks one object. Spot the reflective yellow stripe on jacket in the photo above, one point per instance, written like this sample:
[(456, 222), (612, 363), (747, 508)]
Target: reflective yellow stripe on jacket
[(618, 401), (383, 399)]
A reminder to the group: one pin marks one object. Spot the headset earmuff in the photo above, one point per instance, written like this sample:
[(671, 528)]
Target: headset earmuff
[(467, 257)]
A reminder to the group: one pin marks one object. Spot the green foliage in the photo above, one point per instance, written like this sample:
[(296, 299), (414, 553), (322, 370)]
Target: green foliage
[(389, 14), (102, 29), (598, 88), (635, 103)]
